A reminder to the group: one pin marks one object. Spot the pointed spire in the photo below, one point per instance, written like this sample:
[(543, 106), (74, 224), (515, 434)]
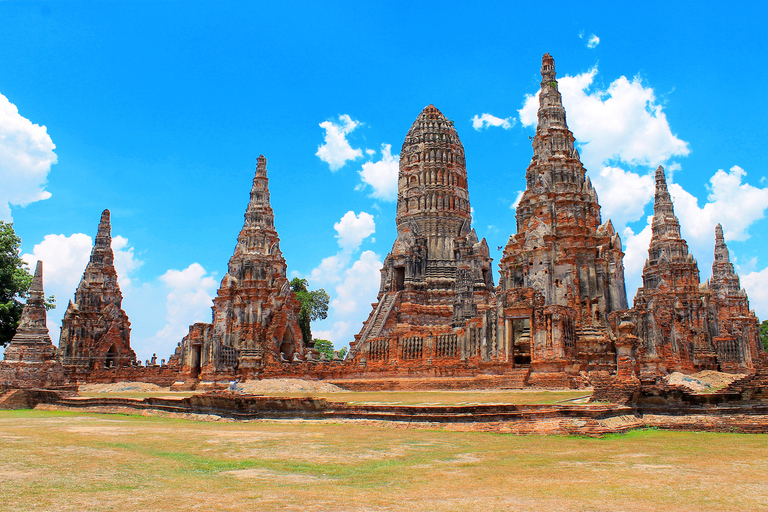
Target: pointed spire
[(261, 166), (721, 250), (551, 112), (36, 290), (554, 142), (101, 254), (547, 68), (104, 234), (665, 223), (32, 326), (259, 212)]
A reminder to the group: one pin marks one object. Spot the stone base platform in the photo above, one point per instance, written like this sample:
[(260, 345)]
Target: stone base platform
[(589, 420), (513, 380)]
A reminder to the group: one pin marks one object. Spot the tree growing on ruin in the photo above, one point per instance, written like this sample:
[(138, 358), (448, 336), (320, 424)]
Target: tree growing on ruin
[(314, 306), (764, 333), (15, 280)]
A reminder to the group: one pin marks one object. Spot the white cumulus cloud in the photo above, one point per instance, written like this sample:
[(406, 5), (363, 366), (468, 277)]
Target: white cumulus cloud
[(488, 120), (382, 175), (189, 300), (26, 156), (336, 150), (756, 285), (351, 303), (731, 202), (353, 229), (635, 254)]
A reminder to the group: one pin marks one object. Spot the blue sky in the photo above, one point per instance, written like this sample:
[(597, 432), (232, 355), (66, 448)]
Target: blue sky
[(158, 111)]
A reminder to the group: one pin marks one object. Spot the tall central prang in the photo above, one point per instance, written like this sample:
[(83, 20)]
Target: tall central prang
[(438, 270)]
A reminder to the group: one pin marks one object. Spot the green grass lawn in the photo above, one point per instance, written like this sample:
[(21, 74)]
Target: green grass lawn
[(78, 461)]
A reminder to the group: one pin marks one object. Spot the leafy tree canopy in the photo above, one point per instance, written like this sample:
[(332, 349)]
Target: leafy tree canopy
[(15, 280), (764, 333), (327, 348), (314, 306)]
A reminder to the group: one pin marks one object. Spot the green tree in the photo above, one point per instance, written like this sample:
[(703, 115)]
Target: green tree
[(326, 347), (314, 306), (15, 280), (764, 333)]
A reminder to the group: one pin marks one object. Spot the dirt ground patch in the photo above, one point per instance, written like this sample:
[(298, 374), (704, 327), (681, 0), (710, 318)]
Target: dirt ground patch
[(271, 386), (122, 387), (136, 463), (706, 381)]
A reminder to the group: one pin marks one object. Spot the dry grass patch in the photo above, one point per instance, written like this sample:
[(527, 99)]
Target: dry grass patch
[(74, 461)]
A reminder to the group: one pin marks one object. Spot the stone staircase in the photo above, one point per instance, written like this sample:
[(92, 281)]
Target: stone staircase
[(751, 387), (516, 378), (374, 326)]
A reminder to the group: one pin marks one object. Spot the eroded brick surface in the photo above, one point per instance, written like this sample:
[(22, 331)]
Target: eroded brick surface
[(30, 361), (255, 312), (95, 331)]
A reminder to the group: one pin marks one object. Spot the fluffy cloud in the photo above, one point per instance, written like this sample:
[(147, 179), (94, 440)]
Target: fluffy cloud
[(516, 202), (355, 282), (635, 254), (64, 259), (351, 304), (329, 270), (335, 150), (359, 286), (731, 202), (382, 175), (623, 194), (189, 300), (756, 285), (353, 229), (617, 128), (488, 120), (26, 156), (592, 40)]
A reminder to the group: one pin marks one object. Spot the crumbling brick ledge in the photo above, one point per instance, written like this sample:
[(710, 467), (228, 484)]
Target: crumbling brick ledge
[(588, 419)]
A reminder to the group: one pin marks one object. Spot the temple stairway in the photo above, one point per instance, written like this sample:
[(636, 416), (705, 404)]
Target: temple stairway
[(379, 318)]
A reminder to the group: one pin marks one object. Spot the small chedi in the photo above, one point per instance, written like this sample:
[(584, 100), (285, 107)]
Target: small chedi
[(683, 324), (95, 331), (255, 312), (30, 361), (736, 328)]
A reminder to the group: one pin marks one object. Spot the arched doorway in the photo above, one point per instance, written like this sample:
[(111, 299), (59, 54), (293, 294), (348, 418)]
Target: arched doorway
[(287, 348), (112, 357)]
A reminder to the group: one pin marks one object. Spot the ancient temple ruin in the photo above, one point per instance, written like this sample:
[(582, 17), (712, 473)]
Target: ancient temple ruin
[(670, 309), (736, 329), (255, 312), (684, 324), (95, 331), (561, 275), (438, 274), (30, 361), (560, 311), (558, 317)]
